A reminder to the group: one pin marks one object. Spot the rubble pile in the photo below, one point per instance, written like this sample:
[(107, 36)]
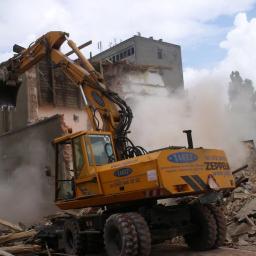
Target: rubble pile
[(22, 240), (17, 239), (241, 210)]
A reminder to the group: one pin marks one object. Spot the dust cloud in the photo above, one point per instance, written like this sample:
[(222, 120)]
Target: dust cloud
[(203, 108), (23, 197), (26, 193)]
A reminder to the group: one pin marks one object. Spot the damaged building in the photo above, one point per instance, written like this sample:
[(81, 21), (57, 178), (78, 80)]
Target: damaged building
[(45, 92), (142, 66)]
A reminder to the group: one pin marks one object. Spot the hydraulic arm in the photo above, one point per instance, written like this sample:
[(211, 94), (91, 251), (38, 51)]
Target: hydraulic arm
[(106, 110)]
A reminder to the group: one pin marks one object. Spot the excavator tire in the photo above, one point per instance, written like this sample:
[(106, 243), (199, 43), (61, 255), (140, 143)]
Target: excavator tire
[(221, 225), (74, 243), (143, 233), (204, 237), (120, 236)]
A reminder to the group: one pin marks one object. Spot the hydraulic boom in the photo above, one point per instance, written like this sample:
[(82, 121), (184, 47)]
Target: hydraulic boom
[(106, 110)]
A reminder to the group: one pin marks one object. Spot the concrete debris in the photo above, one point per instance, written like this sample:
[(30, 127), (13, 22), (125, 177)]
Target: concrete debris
[(249, 209), (242, 241), (241, 209)]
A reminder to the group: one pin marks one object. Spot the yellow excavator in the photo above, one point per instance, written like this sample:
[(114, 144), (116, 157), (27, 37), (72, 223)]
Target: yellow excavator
[(121, 183)]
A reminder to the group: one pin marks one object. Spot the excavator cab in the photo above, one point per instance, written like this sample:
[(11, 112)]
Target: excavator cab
[(77, 158)]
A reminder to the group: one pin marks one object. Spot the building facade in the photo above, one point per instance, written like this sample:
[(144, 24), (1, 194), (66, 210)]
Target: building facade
[(144, 65)]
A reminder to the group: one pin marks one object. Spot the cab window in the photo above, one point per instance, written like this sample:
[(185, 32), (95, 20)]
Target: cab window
[(102, 149)]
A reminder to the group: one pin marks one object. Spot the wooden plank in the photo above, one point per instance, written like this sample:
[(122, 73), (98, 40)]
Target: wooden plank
[(21, 248), (17, 236), (4, 253), (10, 225)]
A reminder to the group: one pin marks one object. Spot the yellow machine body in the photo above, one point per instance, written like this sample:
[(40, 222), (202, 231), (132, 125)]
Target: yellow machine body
[(160, 174)]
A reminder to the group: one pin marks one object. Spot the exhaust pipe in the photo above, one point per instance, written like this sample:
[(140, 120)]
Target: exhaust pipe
[(189, 138)]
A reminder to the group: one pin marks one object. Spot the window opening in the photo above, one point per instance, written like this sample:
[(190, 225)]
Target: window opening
[(102, 149)]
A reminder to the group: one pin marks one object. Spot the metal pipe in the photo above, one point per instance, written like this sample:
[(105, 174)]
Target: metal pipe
[(79, 47), (83, 96), (240, 169), (84, 62), (189, 138), (82, 58)]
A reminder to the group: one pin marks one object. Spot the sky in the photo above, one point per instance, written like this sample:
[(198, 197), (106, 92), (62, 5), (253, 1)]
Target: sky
[(216, 36)]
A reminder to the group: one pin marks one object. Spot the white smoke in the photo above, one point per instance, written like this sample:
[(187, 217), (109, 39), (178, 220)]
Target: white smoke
[(204, 108)]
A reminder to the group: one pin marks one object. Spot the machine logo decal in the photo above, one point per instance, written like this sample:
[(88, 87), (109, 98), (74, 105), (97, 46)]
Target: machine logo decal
[(123, 172), (217, 166), (182, 157)]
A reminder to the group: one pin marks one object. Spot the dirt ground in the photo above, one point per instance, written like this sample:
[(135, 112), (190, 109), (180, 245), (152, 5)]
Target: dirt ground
[(172, 250)]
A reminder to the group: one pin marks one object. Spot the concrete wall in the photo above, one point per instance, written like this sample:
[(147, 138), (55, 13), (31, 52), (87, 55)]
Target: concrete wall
[(26, 192), (170, 63), (30, 146), (74, 118)]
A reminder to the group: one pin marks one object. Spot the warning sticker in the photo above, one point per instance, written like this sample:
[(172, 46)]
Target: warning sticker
[(151, 174)]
